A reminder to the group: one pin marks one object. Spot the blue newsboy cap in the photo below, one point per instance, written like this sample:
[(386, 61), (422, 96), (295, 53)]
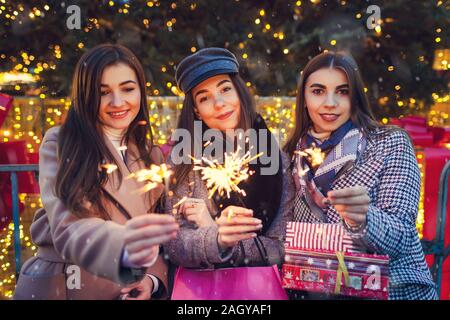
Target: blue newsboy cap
[(204, 64)]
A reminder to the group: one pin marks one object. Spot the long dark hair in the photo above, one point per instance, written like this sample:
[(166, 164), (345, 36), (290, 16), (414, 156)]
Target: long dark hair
[(81, 146), (361, 112), (188, 116)]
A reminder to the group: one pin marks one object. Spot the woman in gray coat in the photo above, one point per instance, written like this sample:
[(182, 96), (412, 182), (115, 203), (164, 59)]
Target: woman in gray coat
[(244, 229)]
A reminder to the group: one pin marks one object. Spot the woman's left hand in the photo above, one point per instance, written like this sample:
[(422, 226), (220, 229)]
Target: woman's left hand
[(196, 211), (351, 203), (144, 287)]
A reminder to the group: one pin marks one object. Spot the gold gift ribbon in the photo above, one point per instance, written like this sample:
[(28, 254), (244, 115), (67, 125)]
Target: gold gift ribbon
[(342, 269)]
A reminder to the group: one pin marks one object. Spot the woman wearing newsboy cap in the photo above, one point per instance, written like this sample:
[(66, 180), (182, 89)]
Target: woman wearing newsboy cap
[(240, 230)]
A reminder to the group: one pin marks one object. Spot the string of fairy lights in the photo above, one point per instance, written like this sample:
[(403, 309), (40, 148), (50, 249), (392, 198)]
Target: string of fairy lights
[(30, 117), (7, 267)]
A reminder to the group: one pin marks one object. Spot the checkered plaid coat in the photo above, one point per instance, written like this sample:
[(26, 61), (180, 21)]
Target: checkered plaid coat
[(388, 168)]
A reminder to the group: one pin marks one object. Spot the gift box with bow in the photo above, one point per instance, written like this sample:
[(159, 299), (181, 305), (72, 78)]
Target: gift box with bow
[(322, 258)]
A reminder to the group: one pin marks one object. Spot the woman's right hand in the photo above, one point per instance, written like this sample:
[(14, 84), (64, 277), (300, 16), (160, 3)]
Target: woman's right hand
[(145, 232), (236, 224)]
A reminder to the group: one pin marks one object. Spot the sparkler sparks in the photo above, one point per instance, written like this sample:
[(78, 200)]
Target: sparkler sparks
[(315, 155), (110, 168), (301, 173), (225, 178), (156, 174)]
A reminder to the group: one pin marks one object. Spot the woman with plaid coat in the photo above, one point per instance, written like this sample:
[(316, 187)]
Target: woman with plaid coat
[(357, 172)]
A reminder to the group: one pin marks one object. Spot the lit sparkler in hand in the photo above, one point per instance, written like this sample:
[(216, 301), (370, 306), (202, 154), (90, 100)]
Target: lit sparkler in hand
[(315, 157), (225, 178), (156, 174)]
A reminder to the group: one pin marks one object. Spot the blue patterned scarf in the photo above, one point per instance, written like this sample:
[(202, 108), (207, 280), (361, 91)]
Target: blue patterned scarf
[(342, 149), (336, 157)]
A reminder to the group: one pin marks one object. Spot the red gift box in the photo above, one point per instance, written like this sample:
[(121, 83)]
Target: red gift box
[(321, 258), (14, 152), (422, 134), (347, 274)]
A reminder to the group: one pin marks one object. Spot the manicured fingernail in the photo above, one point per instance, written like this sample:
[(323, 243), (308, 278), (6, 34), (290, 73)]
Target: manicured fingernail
[(254, 235), (259, 226), (257, 221)]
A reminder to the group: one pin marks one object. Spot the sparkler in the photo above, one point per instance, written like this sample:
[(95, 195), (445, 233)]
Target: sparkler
[(156, 174), (180, 202), (110, 168), (315, 155), (301, 172), (225, 178), (316, 158)]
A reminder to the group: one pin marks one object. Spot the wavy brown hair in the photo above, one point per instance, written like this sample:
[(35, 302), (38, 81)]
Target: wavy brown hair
[(361, 112), (81, 146)]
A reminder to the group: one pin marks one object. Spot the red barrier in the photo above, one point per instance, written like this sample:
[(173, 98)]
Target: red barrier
[(432, 142), (14, 152)]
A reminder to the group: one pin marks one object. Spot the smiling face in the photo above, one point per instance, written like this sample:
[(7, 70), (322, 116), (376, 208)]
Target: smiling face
[(120, 96), (327, 99), (217, 103)]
